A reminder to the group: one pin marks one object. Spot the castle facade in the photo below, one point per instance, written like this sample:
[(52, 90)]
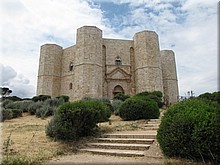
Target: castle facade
[(99, 67)]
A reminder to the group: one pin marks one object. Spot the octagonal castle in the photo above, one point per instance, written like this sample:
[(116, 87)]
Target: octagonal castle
[(99, 67)]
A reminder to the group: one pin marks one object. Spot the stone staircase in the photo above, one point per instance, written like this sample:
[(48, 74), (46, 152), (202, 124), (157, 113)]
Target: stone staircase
[(132, 144)]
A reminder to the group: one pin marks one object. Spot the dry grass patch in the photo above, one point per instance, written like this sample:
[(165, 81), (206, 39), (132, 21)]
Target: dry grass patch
[(24, 141)]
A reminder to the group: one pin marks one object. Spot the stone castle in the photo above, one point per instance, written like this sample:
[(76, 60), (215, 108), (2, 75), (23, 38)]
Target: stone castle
[(99, 67)]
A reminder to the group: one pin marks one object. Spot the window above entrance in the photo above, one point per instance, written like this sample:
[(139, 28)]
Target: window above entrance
[(71, 66), (117, 60)]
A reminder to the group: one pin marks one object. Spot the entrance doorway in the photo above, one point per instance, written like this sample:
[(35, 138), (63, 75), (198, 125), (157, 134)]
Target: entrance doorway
[(118, 89)]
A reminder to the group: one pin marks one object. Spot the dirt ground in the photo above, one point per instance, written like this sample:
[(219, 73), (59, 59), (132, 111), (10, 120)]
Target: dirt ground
[(85, 158)]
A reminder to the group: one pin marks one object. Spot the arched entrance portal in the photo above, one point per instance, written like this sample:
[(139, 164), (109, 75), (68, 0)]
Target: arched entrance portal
[(118, 89)]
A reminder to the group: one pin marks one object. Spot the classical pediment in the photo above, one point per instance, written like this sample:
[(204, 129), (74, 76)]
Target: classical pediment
[(118, 74)]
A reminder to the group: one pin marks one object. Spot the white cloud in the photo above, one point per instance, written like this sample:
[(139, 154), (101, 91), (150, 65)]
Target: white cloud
[(7, 73), (19, 84)]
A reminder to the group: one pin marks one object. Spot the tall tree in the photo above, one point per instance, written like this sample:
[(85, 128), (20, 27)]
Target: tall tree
[(4, 91)]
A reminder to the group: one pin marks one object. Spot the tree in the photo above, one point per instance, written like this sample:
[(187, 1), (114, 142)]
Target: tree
[(4, 91)]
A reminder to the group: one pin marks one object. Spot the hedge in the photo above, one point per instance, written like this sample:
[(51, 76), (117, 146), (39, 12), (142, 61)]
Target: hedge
[(73, 120), (190, 129), (136, 108)]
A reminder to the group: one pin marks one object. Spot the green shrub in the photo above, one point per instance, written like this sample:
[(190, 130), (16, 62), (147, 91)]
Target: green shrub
[(115, 105), (14, 98), (74, 120), (54, 102), (65, 98), (121, 96), (215, 96), (12, 105), (45, 111), (32, 108), (156, 95), (136, 108), (6, 102), (6, 114), (48, 107), (16, 113), (23, 105), (191, 129), (102, 104), (41, 98)]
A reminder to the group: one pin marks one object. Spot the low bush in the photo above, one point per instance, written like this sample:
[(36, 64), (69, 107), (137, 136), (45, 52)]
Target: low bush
[(48, 107), (12, 105), (32, 108), (76, 119), (23, 105), (16, 113), (215, 96), (6, 102), (65, 98), (156, 95), (115, 105), (190, 129), (136, 108), (45, 111), (6, 114), (109, 109), (54, 102), (121, 96), (41, 98)]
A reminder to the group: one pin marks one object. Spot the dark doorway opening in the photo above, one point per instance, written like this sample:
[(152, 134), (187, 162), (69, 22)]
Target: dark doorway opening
[(118, 89)]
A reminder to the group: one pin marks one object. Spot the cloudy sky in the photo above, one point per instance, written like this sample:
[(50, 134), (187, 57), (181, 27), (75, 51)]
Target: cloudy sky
[(189, 27)]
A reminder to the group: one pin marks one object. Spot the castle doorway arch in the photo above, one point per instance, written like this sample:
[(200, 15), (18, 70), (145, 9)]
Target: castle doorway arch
[(118, 89)]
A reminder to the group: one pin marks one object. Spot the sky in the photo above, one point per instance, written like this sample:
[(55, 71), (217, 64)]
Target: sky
[(188, 27)]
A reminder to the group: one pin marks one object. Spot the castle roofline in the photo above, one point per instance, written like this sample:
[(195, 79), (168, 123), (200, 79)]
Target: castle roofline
[(51, 44), (146, 31), (89, 27), (117, 39)]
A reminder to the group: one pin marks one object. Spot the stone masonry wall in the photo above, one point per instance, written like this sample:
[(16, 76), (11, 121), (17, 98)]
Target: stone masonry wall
[(49, 73), (148, 74), (170, 83)]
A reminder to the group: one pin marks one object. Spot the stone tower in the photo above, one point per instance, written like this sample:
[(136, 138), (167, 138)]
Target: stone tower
[(89, 53), (170, 84), (100, 67), (49, 73), (148, 73)]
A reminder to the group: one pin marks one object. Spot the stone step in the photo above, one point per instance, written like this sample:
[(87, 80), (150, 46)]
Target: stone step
[(115, 152), (150, 128), (126, 140), (154, 121), (137, 136), (119, 146), (152, 125)]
